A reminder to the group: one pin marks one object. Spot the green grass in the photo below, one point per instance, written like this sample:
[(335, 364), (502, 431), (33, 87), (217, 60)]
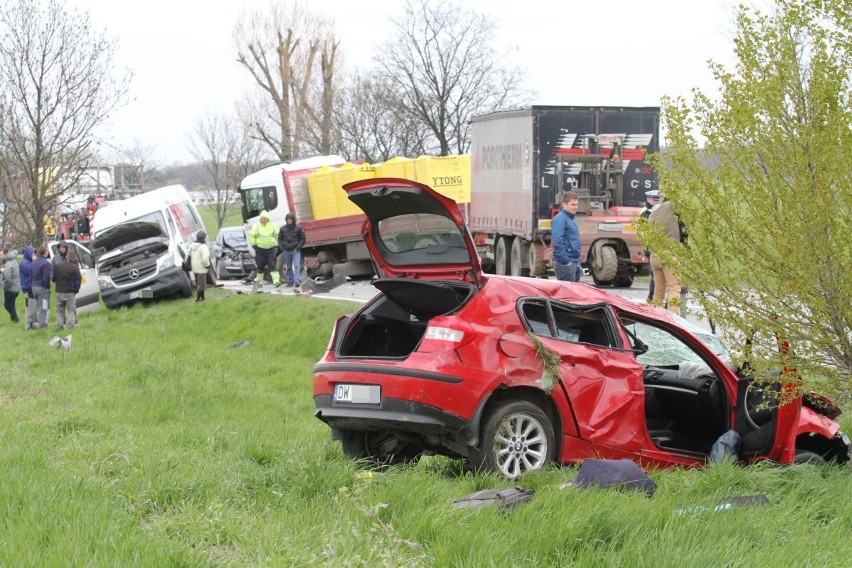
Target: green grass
[(151, 443), (208, 217)]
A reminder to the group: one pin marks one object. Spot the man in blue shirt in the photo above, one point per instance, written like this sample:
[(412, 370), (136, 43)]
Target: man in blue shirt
[(566, 240)]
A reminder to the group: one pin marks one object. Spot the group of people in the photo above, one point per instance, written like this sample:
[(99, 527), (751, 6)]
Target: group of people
[(664, 290), (269, 242), (34, 276)]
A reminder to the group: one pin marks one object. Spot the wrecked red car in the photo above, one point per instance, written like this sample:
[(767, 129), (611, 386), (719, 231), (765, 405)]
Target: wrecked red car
[(512, 373)]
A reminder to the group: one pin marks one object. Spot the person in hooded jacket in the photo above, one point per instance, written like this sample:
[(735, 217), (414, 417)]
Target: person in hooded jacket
[(25, 270), (291, 239), (199, 255), (67, 277), (11, 283), (263, 237), (41, 272)]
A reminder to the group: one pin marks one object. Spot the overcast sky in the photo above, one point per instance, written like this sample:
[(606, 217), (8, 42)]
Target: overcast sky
[(574, 52)]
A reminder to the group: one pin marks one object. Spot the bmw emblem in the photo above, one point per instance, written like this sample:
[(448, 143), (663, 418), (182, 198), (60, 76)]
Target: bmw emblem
[(134, 273)]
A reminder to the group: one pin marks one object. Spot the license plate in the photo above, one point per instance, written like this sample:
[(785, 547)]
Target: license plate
[(133, 296), (358, 394)]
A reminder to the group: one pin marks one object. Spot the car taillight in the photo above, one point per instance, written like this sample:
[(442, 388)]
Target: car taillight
[(445, 333)]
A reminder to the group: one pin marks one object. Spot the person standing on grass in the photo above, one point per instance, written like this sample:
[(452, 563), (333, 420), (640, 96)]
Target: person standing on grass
[(67, 276), (291, 239), (264, 239), (566, 240), (199, 255), (41, 286), (11, 282), (26, 271)]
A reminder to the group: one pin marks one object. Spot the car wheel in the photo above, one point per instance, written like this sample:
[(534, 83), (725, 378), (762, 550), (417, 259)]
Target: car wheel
[(381, 448), (807, 456), (517, 437)]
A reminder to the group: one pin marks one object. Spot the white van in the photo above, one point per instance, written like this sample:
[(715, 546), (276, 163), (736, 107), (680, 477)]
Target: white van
[(139, 245)]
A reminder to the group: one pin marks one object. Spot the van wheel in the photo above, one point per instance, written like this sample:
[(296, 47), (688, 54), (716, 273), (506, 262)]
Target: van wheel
[(211, 276), (186, 286)]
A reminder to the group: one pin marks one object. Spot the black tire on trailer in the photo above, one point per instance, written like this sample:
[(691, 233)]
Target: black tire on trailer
[(501, 255), (625, 281), (605, 266), (538, 267), (517, 259)]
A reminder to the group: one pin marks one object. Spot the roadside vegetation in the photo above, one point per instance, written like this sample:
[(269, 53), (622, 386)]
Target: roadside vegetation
[(211, 223), (160, 438), (760, 175)]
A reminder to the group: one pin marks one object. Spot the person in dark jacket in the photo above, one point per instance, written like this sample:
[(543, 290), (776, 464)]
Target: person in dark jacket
[(11, 282), (291, 239), (41, 271), (27, 287), (67, 276)]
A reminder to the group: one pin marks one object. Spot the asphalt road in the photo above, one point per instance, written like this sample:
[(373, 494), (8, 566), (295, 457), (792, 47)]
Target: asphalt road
[(362, 290)]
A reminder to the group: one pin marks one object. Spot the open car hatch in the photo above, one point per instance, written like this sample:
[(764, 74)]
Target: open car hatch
[(412, 231)]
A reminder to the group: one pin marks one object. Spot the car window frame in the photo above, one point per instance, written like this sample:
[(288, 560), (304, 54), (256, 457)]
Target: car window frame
[(607, 321)]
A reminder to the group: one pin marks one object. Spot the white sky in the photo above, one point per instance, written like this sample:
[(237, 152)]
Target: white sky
[(574, 52)]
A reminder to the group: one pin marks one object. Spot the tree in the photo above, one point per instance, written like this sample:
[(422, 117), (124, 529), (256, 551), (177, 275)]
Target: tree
[(227, 154), (136, 169), (56, 87), (373, 126), (442, 66), (282, 51), (769, 221)]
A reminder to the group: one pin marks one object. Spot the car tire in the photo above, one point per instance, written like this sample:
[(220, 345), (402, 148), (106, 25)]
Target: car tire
[(516, 437), (378, 448), (807, 456)]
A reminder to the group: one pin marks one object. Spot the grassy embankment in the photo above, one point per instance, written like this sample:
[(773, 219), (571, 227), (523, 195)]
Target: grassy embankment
[(151, 443)]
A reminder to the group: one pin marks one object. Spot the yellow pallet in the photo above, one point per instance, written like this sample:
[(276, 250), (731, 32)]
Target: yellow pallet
[(448, 175), (396, 167), (322, 194), (345, 174)]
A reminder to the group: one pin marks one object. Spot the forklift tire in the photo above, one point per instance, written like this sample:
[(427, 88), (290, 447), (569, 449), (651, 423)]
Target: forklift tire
[(605, 266)]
